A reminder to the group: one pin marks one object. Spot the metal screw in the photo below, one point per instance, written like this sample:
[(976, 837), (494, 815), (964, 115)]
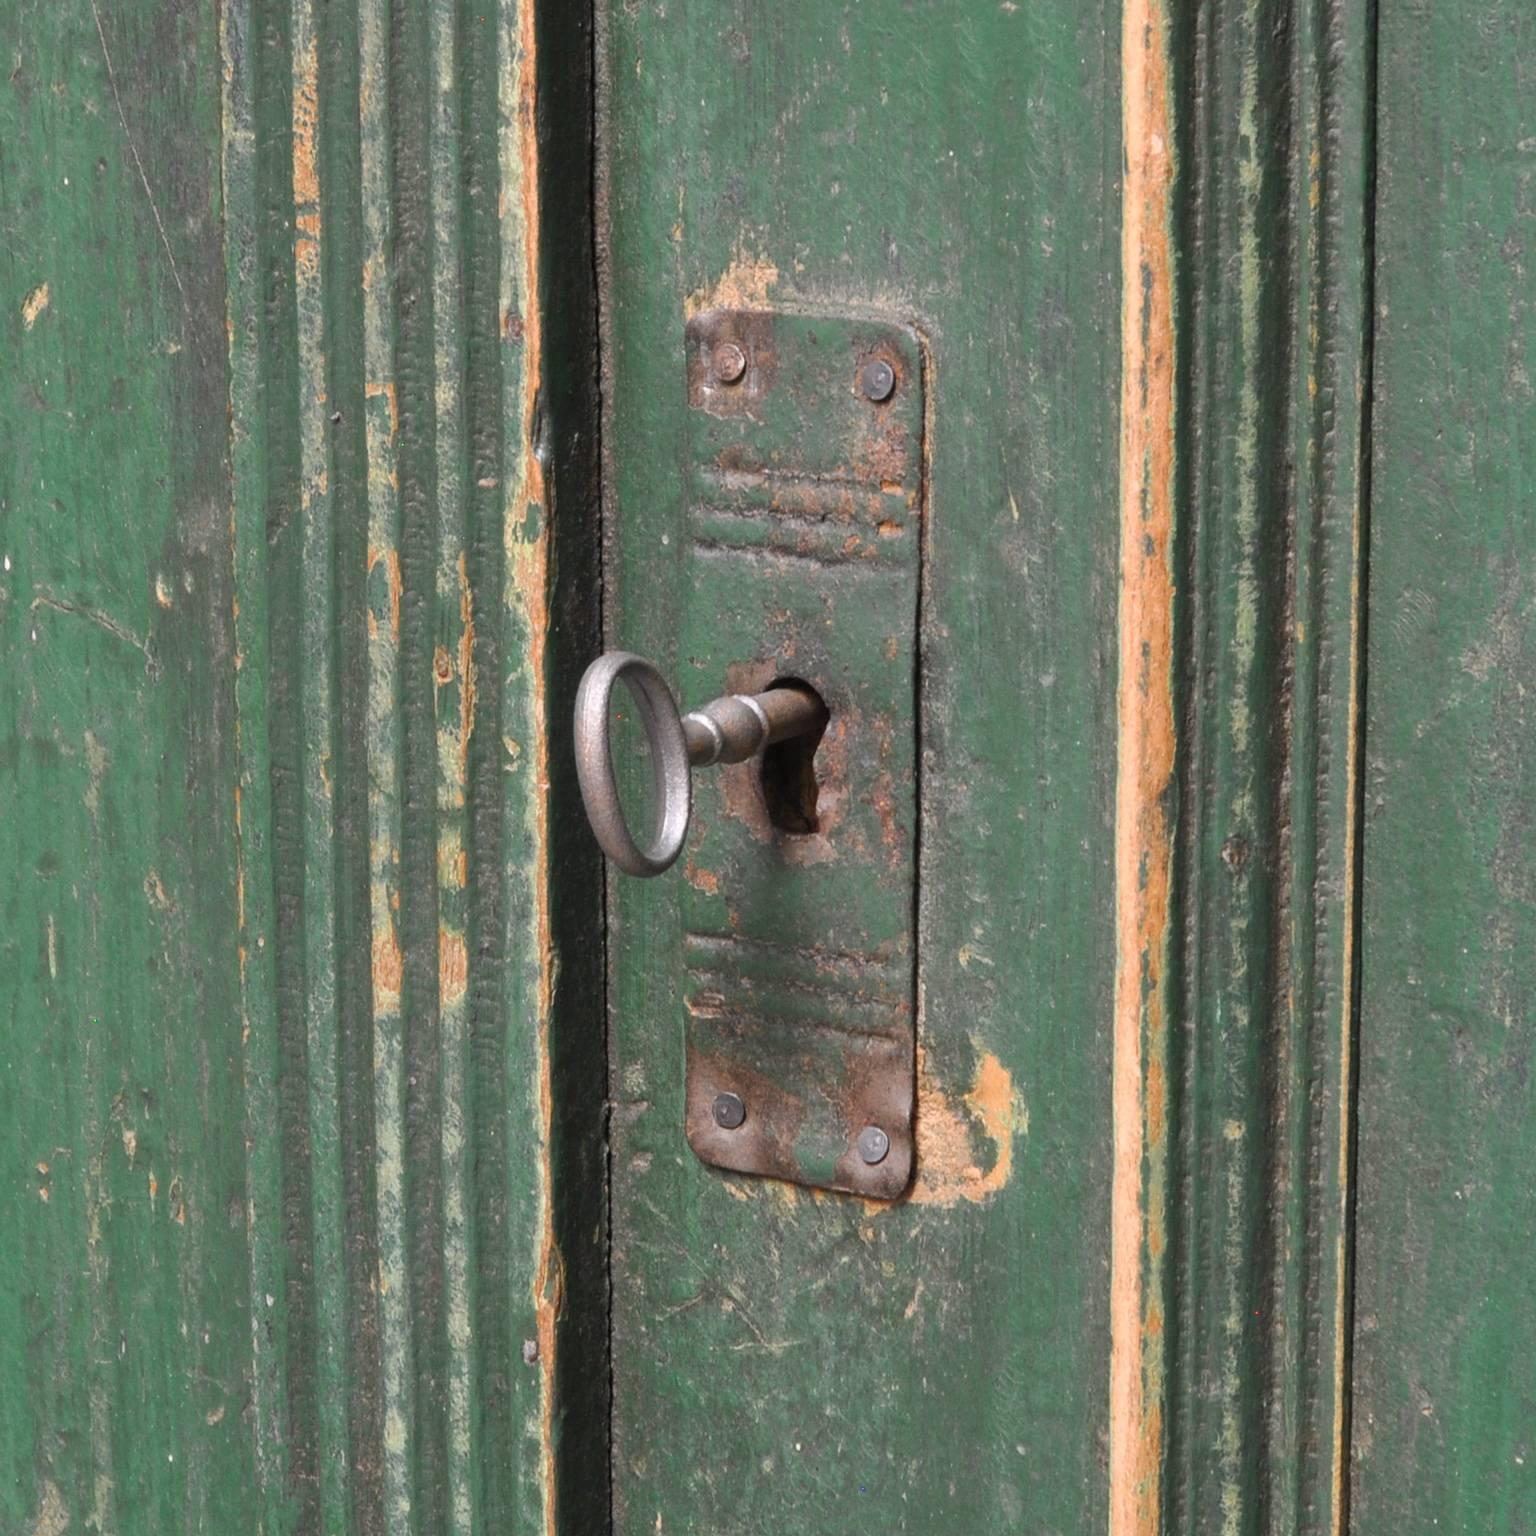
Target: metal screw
[(730, 363), (878, 380), (873, 1144), (730, 1110)]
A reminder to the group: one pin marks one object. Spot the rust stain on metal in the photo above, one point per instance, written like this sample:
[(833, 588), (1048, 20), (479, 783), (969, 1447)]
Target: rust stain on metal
[(799, 482), (884, 458), (1143, 824), (882, 796), (765, 1142), (748, 334)]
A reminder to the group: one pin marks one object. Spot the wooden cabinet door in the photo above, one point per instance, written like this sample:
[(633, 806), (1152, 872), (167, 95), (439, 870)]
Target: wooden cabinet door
[(1166, 849)]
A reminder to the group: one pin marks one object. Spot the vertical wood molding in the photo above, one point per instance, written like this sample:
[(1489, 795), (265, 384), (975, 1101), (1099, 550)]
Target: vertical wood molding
[(1248, 138), (417, 1025)]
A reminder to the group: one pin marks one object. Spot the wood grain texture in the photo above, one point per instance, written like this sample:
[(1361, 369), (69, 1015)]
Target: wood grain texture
[(125, 1297), (784, 1362), (292, 1090), (1445, 1310)]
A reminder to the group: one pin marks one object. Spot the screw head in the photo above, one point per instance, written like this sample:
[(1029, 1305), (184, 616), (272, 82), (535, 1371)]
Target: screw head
[(873, 1144), (878, 380), (730, 1110), (730, 363)]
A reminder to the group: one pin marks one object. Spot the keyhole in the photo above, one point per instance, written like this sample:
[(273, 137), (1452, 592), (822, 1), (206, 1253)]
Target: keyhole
[(789, 772)]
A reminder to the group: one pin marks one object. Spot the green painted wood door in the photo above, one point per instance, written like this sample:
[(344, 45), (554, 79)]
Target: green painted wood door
[(345, 1184)]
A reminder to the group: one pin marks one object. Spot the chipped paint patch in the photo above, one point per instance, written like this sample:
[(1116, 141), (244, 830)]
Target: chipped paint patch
[(388, 966), (745, 284), (385, 391), (950, 1134), (34, 304), (452, 967), (389, 558), (526, 539), (97, 760), (52, 1517), (1143, 828), (306, 122), (467, 673), (452, 860)]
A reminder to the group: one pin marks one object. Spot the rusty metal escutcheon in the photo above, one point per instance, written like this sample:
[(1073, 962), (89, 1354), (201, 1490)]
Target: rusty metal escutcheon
[(805, 507)]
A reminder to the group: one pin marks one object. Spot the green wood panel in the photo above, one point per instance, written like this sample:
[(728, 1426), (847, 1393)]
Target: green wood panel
[(784, 1362), (1445, 1319), (125, 1290), (290, 1088)]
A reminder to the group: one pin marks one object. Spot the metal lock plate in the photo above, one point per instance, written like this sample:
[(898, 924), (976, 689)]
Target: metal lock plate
[(805, 515)]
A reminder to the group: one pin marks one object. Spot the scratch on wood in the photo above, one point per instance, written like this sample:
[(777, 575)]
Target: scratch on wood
[(145, 647), (133, 149), (1143, 826)]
